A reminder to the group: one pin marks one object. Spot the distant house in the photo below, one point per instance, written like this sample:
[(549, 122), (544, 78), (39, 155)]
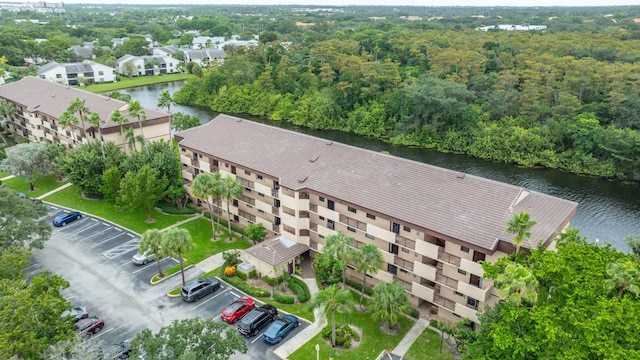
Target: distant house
[(118, 41), (509, 27), (147, 65), (83, 52), (164, 51), (206, 42), (235, 42), (77, 73), (205, 57)]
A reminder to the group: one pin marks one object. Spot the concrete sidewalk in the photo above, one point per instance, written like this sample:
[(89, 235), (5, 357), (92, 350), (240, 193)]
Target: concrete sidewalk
[(411, 336), (62, 187)]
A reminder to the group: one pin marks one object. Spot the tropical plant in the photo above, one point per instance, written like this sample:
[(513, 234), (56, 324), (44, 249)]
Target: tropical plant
[(137, 111), (232, 189), (329, 300), (368, 260), (256, 232), (204, 186), (66, 120), (520, 225), (77, 105), (93, 118), (177, 242), (337, 247), (29, 160), (118, 118), (518, 285), (389, 301), (623, 277), (151, 242)]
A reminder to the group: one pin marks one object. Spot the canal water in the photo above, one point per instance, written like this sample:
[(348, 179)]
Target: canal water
[(607, 211)]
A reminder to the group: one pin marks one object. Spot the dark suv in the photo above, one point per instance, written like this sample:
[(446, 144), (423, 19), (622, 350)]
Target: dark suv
[(256, 319), (199, 288)]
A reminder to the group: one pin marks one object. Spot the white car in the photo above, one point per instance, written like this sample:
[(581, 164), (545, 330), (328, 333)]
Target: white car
[(143, 259)]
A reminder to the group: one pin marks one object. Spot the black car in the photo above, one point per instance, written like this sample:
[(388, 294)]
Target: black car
[(256, 319), (199, 288), (117, 351)]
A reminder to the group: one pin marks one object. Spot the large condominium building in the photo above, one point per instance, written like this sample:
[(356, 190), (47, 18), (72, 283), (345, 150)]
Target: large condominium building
[(39, 103), (432, 225)]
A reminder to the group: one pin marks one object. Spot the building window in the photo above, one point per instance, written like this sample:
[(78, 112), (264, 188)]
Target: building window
[(392, 269), (353, 210), (259, 177), (351, 229), (464, 249), (406, 228), (370, 236), (321, 199), (403, 271), (373, 217), (458, 293), (247, 172), (261, 211), (261, 194), (404, 249), (100, 73), (472, 303), (331, 204), (330, 224), (460, 271), (476, 280), (233, 170)]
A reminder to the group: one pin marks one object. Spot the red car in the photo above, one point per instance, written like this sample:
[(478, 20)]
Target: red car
[(237, 309), (89, 326)]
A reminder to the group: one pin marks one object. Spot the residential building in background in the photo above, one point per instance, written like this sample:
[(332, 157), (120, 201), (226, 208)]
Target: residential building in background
[(77, 73), (432, 225), (205, 57), (39, 103), (147, 65)]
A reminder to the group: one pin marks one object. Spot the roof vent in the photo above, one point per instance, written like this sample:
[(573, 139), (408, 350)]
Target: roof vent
[(238, 120), (303, 179), (330, 143), (54, 95), (460, 176), (37, 106), (314, 159)]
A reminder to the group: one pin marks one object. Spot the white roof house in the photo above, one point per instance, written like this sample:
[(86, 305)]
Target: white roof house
[(148, 65), (205, 57), (202, 42), (74, 73)]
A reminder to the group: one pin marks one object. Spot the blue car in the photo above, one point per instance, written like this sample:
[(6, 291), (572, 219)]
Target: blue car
[(66, 218), (280, 328)]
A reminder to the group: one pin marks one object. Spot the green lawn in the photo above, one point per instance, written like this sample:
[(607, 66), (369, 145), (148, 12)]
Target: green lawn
[(3, 174), (427, 346), (300, 310), (42, 185), (373, 339), (126, 82), (133, 220)]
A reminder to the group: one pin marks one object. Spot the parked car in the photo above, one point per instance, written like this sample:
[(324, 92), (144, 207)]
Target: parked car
[(117, 351), (89, 326), (23, 196), (144, 258), (76, 313), (199, 288), (280, 328), (256, 319), (237, 309), (65, 218)]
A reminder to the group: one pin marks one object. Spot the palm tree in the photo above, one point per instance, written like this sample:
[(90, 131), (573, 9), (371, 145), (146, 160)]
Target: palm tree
[(520, 226), (77, 105), (151, 241), (232, 189), (130, 138), (118, 118), (330, 299), (216, 193), (136, 110), (518, 285), (94, 119), (202, 187), (6, 110), (623, 276), (65, 121), (165, 100), (337, 248), (570, 235), (368, 259), (177, 242), (389, 302)]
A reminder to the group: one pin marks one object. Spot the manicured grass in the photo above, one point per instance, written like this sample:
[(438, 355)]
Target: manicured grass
[(126, 82), (373, 339), (300, 310), (427, 346), (176, 291), (3, 174), (42, 185), (133, 220)]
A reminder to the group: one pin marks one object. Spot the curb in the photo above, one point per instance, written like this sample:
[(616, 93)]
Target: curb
[(168, 276)]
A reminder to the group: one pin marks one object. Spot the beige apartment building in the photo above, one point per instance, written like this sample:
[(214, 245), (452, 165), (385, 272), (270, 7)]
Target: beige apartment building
[(39, 104), (432, 225)]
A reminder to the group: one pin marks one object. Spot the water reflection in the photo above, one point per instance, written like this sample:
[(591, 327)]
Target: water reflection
[(607, 211)]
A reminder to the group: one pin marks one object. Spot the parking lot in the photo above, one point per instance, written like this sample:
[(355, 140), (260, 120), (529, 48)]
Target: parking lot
[(95, 257)]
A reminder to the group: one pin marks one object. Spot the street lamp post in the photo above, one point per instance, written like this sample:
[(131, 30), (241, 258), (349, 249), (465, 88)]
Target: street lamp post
[(317, 352)]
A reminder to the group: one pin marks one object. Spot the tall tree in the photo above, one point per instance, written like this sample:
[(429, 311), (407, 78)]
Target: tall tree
[(256, 232), (177, 242), (188, 339), (389, 302), (368, 260), (623, 277), (29, 160), (137, 111), (21, 221), (634, 244), (118, 118), (330, 300), (77, 105), (337, 247), (203, 187), (142, 190), (151, 242), (66, 120), (232, 189), (181, 121), (84, 166), (93, 118), (520, 225), (518, 285), (165, 100)]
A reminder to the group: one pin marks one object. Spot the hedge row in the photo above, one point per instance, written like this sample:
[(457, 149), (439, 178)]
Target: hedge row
[(284, 299), (243, 286), (358, 286), (300, 288)]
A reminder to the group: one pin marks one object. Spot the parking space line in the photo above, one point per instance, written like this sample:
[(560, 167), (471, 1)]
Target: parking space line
[(217, 317), (209, 299), (96, 234), (33, 272), (88, 227), (104, 241), (130, 234), (143, 267), (118, 229), (234, 294), (70, 297), (121, 249), (102, 332), (257, 337)]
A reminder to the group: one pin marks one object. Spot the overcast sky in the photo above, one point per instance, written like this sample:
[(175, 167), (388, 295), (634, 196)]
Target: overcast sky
[(527, 3)]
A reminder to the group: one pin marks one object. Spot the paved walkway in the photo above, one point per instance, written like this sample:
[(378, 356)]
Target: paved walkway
[(7, 177), (62, 187), (410, 337)]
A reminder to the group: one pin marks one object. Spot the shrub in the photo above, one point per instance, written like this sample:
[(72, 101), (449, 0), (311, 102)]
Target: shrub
[(230, 270), (300, 288), (172, 209), (241, 275), (243, 286), (411, 311), (284, 299), (358, 286), (347, 344), (252, 273), (273, 281), (231, 257), (344, 335)]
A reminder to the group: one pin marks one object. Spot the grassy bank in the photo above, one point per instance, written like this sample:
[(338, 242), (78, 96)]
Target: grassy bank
[(126, 82)]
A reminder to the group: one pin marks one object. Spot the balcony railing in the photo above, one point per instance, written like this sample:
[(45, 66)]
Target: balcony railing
[(452, 283), (437, 299), (451, 259)]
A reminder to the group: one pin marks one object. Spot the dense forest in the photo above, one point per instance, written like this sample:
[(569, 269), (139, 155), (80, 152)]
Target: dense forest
[(564, 98)]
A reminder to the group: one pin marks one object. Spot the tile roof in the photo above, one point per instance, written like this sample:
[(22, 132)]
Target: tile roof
[(469, 208), (51, 98), (276, 251)]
